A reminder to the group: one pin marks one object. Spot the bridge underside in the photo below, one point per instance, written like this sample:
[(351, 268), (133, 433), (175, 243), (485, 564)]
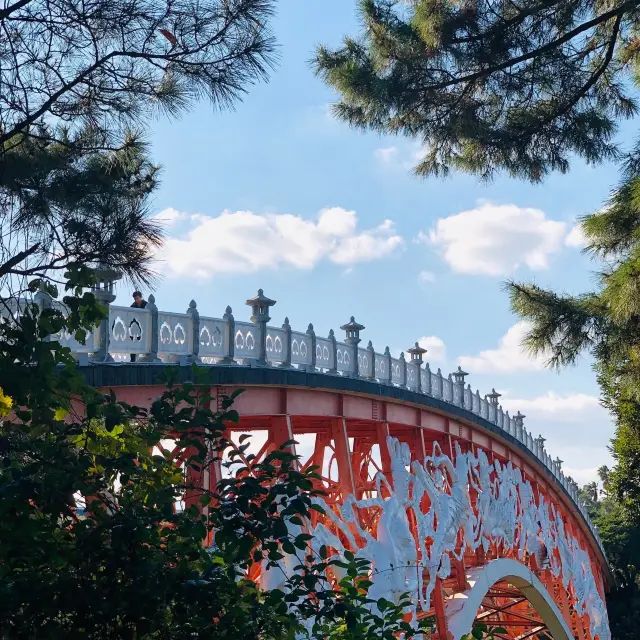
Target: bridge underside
[(350, 438)]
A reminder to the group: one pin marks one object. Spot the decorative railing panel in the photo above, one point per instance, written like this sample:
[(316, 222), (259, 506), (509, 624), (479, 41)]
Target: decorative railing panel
[(245, 340), (344, 358), (365, 364), (396, 371), (130, 330), (276, 345), (175, 334), (324, 354), (213, 338), (300, 349)]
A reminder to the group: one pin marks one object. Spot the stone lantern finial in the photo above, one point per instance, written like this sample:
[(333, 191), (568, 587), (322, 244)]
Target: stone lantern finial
[(493, 397), (416, 352), (260, 305), (459, 376), (352, 329)]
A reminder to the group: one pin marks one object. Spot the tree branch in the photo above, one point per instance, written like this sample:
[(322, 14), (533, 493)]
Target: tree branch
[(5, 13), (7, 267), (617, 12)]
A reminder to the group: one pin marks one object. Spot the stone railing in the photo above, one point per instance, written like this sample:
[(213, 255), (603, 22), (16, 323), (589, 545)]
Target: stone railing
[(152, 336)]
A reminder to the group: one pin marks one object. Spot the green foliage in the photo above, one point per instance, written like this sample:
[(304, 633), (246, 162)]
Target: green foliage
[(489, 85), (131, 565), (79, 83), (621, 538), (605, 324)]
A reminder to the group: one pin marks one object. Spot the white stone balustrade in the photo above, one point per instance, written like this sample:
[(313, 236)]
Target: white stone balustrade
[(166, 337)]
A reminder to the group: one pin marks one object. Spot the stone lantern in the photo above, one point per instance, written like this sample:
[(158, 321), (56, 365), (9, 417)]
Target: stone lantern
[(493, 397), (103, 289), (458, 380), (415, 358), (260, 306), (352, 339)]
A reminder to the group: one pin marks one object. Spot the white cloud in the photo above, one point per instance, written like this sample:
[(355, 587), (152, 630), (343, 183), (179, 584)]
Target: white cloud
[(508, 357), (426, 276), (244, 242), (576, 238), (386, 155), (436, 349), (573, 407), (169, 216), (495, 239), (582, 476)]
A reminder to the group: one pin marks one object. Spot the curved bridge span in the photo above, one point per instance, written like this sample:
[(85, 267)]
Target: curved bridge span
[(447, 495)]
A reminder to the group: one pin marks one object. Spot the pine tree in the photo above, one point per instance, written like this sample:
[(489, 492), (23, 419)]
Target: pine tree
[(604, 323), (78, 84), (490, 85)]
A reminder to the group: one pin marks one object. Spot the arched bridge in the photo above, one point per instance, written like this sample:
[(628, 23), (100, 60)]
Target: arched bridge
[(449, 496)]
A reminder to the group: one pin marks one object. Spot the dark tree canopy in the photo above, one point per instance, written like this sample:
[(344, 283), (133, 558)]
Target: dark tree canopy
[(79, 82), (105, 62), (490, 85)]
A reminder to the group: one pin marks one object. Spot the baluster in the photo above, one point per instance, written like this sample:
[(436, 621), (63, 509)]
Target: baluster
[(312, 337), (286, 327), (403, 371), (389, 370), (152, 356), (229, 334), (371, 372), (440, 384), (193, 312), (334, 352), (477, 403), (428, 389)]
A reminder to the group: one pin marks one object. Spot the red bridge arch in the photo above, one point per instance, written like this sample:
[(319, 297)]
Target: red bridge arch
[(357, 431)]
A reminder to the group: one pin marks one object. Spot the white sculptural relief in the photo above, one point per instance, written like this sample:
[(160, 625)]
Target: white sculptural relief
[(506, 513)]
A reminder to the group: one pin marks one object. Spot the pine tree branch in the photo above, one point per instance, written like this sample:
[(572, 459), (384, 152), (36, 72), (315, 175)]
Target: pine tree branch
[(617, 12), (6, 12), (8, 266)]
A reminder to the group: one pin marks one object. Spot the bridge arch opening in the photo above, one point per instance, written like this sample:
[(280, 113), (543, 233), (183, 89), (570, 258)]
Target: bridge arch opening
[(465, 609)]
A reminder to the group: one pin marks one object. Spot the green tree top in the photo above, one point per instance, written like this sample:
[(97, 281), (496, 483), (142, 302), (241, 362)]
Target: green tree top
[(489, 85)]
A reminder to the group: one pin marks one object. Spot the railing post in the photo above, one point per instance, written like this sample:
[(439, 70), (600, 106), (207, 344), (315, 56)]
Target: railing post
[(493, 400), (103, 292), (415, 353), (352, 339), (312, 338), (389, 365), (230, 332), (519, 423), (260, 306), (458, 377), (286, 327), (195, 327), (403, 371), (427, 370), (372, 360), (152, 356), (334, 352)]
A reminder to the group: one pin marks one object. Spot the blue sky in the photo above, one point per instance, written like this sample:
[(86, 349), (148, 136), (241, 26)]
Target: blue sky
[(331, 223)]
